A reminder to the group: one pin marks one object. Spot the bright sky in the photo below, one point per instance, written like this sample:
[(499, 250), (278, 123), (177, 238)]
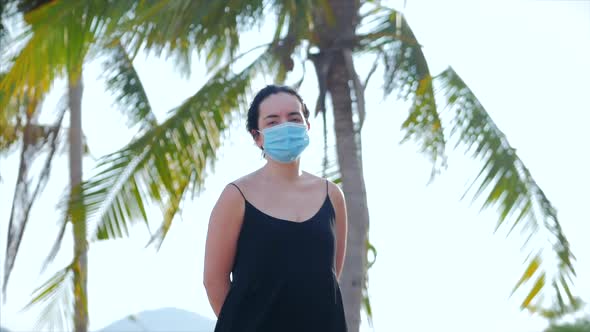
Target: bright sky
[(439, 267)]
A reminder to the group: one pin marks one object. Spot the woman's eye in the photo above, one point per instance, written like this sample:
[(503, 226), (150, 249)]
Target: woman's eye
[(296, 120)]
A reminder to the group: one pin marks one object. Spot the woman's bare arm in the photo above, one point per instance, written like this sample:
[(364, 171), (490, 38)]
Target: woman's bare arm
[(339, 203), (220, 248)]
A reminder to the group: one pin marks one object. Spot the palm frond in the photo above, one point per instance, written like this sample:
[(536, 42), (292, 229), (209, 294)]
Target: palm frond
[(173, 206), (76, 32), (49, 53), (34, 139), (57, 297), (10, 124), (29, 78), (296, 17), (179, 27), (13, 120), (65, 218), (580, 324), (161, 164), (406, 70), (9, 136), (520, 201), (371, 258), (5, 9), (176, 28), (124, 82)]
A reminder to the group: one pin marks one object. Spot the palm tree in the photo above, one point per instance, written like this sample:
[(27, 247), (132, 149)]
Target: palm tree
[(326, 33), (47, 54), (579, 325), (169, 159)]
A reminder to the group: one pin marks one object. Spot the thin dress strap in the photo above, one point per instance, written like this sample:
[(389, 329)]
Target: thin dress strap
[(327, 188), (233, 184)]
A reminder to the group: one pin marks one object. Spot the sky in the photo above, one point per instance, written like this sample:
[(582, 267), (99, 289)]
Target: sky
[(439, 265)]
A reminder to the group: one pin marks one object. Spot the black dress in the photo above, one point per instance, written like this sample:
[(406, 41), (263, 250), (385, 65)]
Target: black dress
[(283, 278)]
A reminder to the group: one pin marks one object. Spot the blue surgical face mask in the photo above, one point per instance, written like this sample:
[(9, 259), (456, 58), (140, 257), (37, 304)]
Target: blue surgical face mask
[(285, 142)]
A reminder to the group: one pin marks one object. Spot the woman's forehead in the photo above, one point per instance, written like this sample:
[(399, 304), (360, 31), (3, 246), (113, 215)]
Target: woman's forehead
[(278, 103)]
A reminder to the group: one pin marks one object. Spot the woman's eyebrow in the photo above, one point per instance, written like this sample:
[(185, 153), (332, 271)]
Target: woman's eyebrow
[(276, 116)]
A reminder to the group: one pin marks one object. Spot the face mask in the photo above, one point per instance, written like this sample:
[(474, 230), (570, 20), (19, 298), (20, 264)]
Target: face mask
[(285, 142)]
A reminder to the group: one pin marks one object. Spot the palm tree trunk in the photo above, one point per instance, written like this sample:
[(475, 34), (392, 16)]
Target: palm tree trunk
[(334, 39), (78, 220), (353, 185)]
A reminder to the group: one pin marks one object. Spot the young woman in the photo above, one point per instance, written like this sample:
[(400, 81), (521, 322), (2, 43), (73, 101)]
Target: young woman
[(279, 231)]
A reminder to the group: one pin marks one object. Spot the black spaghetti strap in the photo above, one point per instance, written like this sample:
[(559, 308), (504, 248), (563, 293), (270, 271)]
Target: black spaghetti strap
[(327, 188), (233, 184)]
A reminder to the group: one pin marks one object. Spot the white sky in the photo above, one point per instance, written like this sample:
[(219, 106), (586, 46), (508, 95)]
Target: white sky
[(439, 267)]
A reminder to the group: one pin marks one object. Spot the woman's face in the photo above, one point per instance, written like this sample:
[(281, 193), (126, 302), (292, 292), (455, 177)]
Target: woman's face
[(276, 109)]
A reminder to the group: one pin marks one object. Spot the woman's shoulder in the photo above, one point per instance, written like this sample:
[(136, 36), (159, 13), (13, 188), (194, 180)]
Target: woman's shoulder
[(333, 188), (245, 180), (252, 180)]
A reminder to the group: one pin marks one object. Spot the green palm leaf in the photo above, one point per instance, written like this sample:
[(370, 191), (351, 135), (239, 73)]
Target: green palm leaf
[(520, 200), (371, 258), (172, 207), (168, 159), (28, 79), (5, 12), (406, 70), (177, 27), (124, 82), (56, 295)]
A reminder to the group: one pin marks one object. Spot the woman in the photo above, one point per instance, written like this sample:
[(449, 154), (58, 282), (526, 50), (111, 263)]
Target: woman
[(279, 231)]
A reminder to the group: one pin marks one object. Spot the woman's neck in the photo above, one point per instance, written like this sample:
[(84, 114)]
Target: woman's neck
[(282, 172)]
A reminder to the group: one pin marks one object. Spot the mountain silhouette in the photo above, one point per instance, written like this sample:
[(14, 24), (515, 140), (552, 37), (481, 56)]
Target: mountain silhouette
[(162, 320)]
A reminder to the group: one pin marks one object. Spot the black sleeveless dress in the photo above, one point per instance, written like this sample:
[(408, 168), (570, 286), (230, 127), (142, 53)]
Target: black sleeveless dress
[(283, 278)]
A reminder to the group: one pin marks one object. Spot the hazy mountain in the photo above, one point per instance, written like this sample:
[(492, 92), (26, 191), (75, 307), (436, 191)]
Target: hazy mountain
[(162, 320), (2, 329)]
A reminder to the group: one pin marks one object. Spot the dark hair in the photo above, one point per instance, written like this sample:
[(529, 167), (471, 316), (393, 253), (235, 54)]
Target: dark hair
[(254, 110)]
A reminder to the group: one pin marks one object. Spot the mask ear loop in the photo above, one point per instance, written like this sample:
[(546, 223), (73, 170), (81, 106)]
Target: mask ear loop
[(263, 155)]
